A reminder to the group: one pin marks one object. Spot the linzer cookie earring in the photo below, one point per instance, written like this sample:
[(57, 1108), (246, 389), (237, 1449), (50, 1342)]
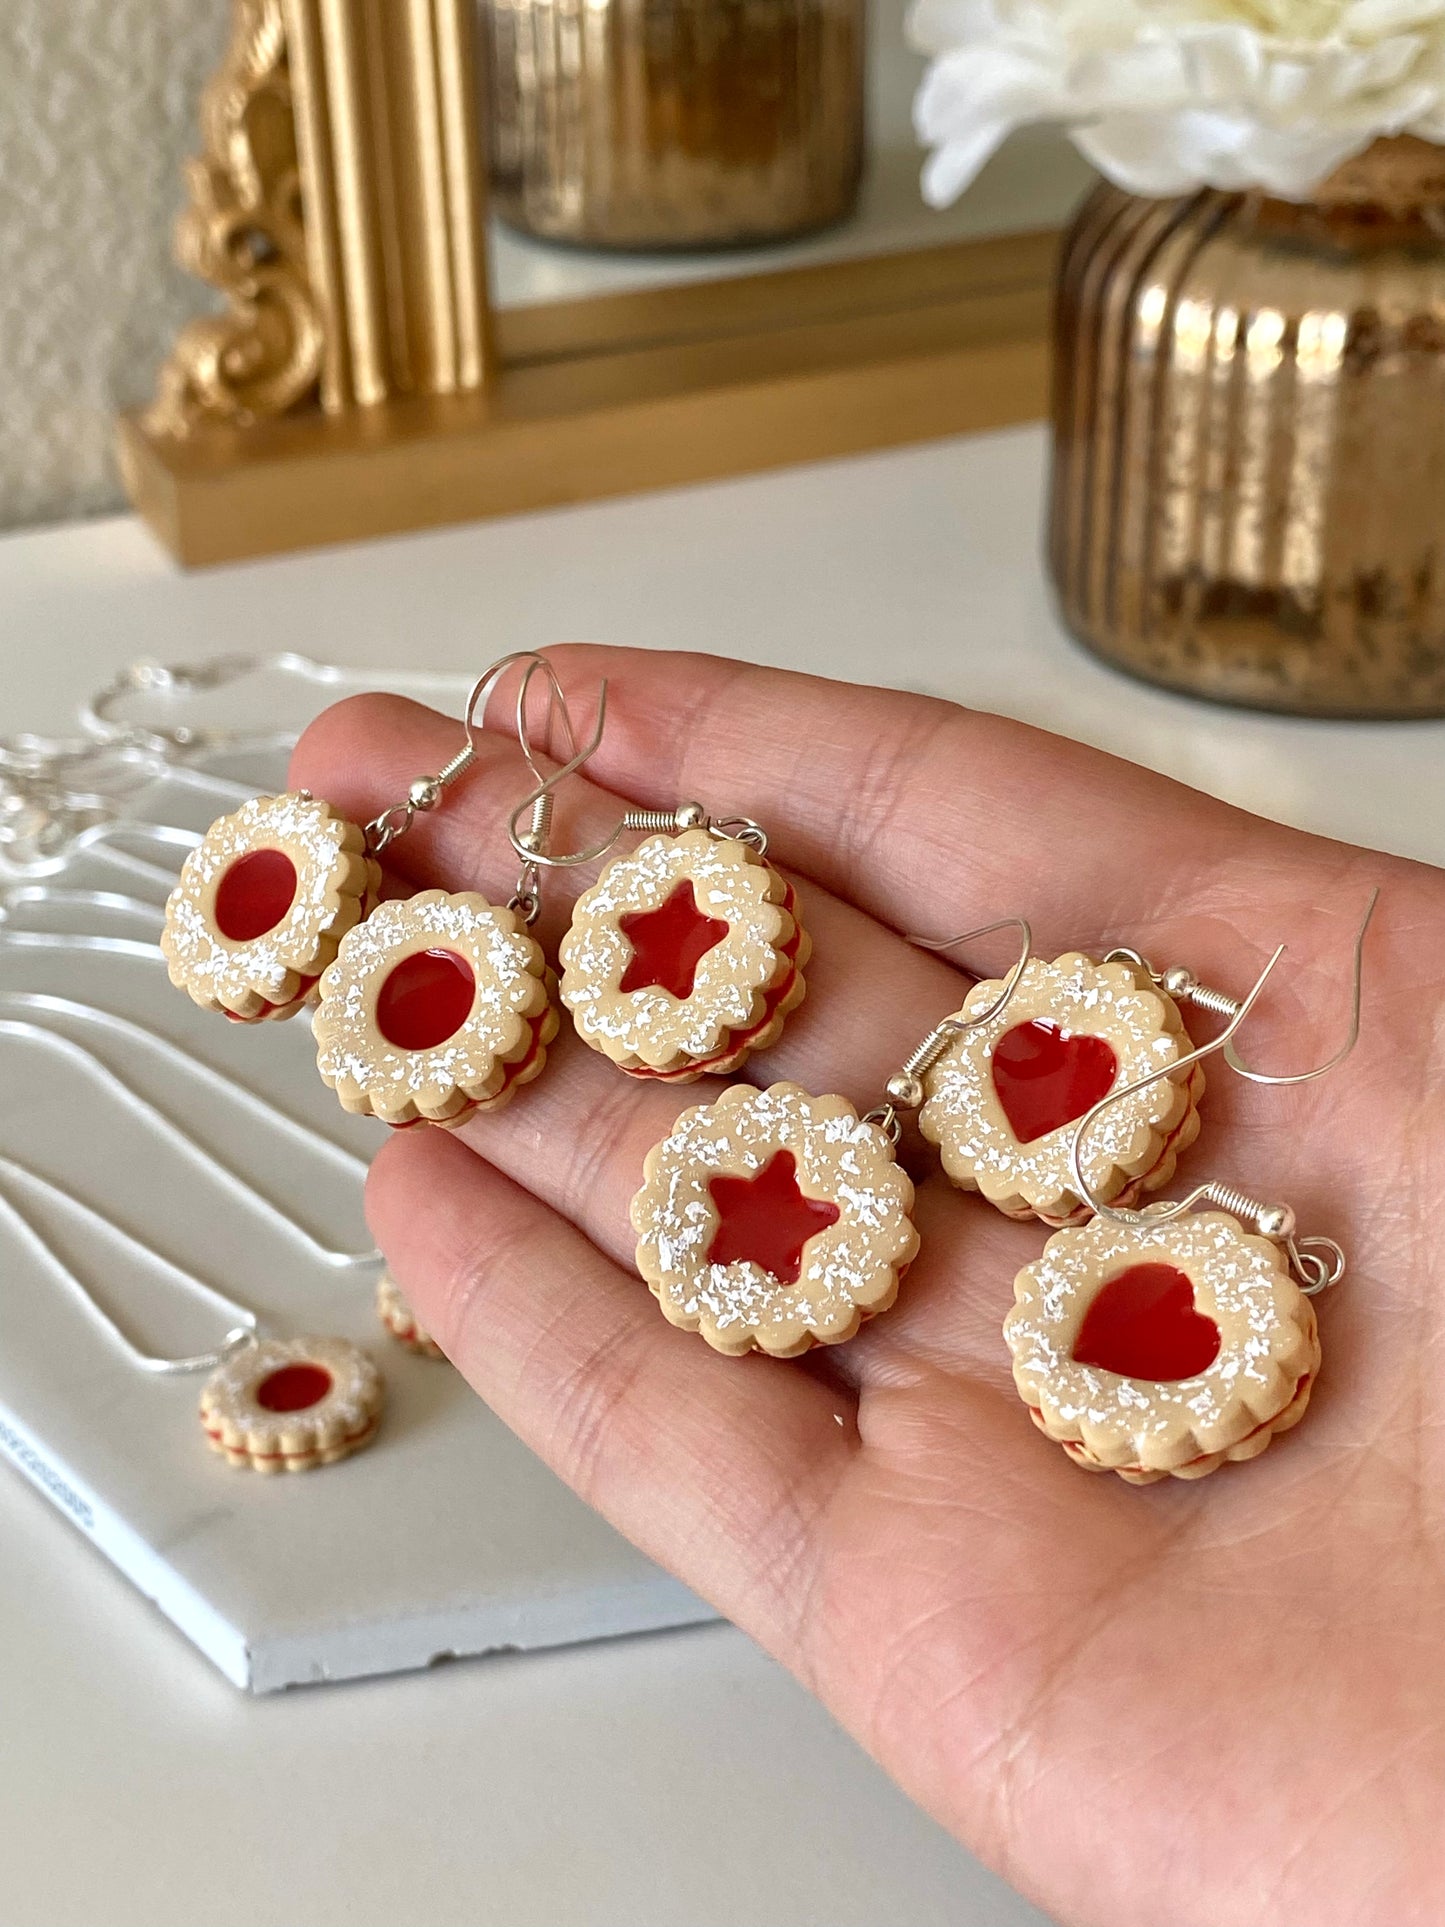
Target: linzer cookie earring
[(774, 1221), (439, 1005), (262, 904), (265, 898), (269, 1404), (1001, 1084), (1166, 1342), (688, 953), (401, 1321)]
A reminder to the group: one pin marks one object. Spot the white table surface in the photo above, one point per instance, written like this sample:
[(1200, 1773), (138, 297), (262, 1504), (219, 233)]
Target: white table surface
[(609, 1784)]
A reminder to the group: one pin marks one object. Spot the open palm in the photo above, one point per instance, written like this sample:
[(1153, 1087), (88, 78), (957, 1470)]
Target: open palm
[(1208, 1703)]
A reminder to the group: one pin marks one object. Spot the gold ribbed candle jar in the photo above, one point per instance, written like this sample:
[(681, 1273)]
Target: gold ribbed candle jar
[(674, 123), (1248, 493)]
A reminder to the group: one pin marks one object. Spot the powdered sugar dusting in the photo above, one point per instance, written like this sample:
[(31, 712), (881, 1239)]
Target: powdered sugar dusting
[(651, 1026), (964, 1118), (1240, 1281), (848, 1267), (204, 961), (356, 1059)]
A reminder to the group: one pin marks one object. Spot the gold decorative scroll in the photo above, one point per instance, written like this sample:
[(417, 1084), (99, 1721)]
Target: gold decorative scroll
[(243, 232), (339, 207)]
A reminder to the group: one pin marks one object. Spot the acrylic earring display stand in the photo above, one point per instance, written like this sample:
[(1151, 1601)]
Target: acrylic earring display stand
[(218, 1147)]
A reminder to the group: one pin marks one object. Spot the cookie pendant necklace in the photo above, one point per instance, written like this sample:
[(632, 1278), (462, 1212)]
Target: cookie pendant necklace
[(431, 1006), (1166, 1342), (269, 1404), (400, 1321)]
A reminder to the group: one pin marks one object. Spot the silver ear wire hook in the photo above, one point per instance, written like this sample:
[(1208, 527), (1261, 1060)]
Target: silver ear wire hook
[(686, 816), (905, 1087), (533, 844), (1317, 1262), (1010, 983), (426, 792), (1237, 1063)]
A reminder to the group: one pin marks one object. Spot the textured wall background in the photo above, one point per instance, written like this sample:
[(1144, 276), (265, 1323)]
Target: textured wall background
[(98, 106)]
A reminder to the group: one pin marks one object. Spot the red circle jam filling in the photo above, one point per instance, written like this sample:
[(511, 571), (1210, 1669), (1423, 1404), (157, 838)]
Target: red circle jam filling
[(293, 1388), (255, 894), (425, 1000)]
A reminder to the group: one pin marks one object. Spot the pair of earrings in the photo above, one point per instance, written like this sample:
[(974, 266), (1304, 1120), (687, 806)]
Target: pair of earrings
[(1152, 1342)]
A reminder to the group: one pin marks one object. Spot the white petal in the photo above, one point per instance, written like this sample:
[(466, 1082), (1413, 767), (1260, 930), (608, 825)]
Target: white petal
[(1370, 19), (1224, 62), (1154, 154), (977, 86), (1382, 65), (1288, 83), (952, 167), (1119, 80), (1293, 165)]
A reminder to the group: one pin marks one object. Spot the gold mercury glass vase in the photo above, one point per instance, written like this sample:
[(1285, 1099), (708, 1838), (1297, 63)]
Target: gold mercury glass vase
[(674, 123), (1248, 490)]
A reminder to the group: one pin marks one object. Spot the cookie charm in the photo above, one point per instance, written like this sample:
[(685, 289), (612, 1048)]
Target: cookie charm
[(290, 1404), (684, 956), (435, 1007), (263, 902), (1162, 1350), (1002, 1100), (400, 1320), (773, 1221)]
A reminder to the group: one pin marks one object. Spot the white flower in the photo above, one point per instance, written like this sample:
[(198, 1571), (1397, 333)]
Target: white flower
[(1165, 96)]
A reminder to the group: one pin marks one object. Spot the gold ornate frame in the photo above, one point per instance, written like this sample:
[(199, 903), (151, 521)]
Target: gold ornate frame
[(356, 382)]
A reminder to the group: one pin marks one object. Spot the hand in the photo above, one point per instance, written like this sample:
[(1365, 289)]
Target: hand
[(1209, 1703)]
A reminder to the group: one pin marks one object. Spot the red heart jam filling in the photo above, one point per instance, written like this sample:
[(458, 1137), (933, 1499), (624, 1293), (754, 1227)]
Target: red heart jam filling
[(766, 1218), (254, 894), (1045, 1078), (1143, 1325), (426, 999), (293, 1388), (669, 943)]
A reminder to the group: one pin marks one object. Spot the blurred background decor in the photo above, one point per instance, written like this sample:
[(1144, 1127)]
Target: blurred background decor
[(97, 112), (385, 354), (674, 123), (1249, 399)]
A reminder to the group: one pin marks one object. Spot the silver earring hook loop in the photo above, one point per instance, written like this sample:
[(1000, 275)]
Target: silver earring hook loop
[(1159, 1213), (1010, 982), (426, 791), (1236, 1062), (905, 1090), (534, 842), (531, 845), (1317, 1262)]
